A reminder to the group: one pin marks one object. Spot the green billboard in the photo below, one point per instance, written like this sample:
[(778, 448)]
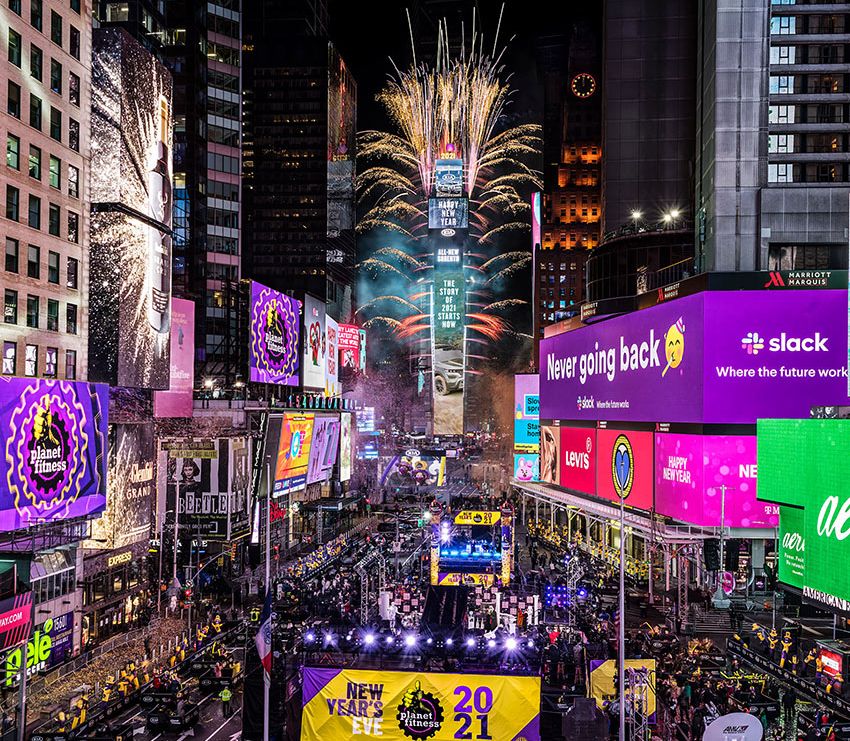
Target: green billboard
[(802, 466)]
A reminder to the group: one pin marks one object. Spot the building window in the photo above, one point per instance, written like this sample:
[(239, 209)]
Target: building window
[(55, 124), (12, 202), (782, 173), (32, 312), (75, 6), (55, 172), (75, 42), (56, 28), (13, 101), (35, 14), (52, 315), (35, 112), (10, 307), (53, 216), (73, 227), (74, 89), (36, 62), (56, 77), (781, 84), (780, 114), (782, 54), (34, 212), (15, 47), (781, 25), (53, 267), (73, 182), (73, 268), (12, 251), (35, 162), (71, 318), (33, 261), (31, 361), (51, 359), (13, 151), (74, 134), (10, 357), (71, 364), (15, 6)]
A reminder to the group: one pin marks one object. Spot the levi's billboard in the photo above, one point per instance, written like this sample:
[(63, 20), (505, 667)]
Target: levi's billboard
[(802, 466), (715, 357)]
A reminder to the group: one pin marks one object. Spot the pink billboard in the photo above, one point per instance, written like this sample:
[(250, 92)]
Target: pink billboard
[(177, 401), (690, 471), (578, 459)]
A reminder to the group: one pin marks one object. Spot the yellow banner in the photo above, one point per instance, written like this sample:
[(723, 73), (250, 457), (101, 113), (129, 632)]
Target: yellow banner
[(341, 704), (601, 686), (456, 579), (473, 517)]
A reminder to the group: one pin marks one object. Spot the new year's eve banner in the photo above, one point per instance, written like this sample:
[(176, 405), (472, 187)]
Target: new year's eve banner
[(398, 706), (54, 437), (275, 325)]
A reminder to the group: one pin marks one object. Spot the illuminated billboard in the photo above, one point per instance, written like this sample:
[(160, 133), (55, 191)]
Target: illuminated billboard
[(399, 706), (55, 439), (130, 232), (342, 119), (274, 353), (332, 387), (315, 346), (536, 222), (293, 457), (346, 446), (526, 413), (577, 456), (413, 468), (127, 518), (177, 401), (349, 346), (448, 213), (448, 178), (624, 467), (323, 448), (527, 467), (550, 454)]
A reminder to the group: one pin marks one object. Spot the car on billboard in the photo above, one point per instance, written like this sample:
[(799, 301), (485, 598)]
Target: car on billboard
[(448, 370)]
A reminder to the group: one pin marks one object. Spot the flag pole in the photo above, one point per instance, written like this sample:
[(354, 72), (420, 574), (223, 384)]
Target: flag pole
[(267, 678)]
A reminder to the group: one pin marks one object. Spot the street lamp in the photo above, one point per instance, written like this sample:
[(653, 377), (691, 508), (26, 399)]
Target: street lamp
[(637, 214)]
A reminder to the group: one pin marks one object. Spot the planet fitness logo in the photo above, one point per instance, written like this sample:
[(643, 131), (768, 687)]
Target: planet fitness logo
[(274, 351), (623, 466), (47, 433), (420, 715)]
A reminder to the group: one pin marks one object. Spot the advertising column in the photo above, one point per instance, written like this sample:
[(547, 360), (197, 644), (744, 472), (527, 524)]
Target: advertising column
[(448, 225)]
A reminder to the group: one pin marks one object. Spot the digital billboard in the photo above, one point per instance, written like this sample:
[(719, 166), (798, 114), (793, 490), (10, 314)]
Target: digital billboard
[(448, 178), (342, 120), (346, 446), (315, 347), (296, 435), (323, 447), (550, 454), (536, 221), (526, 413), (177, 401), (400, 706), (578, 461), (51, 643), (413, 468), (15, 619), (527, 467), (361, 349), (55, 437), (448, 358), (814, 547), (209, 480), (448, 213), (130, 228), (275, 352), (690, 471), (624, 467), (715, 357), (332, 387), (349, 346)]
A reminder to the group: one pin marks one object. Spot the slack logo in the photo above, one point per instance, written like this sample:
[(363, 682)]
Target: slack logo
[(753, 343)]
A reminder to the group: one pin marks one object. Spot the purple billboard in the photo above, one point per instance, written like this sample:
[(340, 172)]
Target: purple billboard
[(177, 401), (691, 471), (716, 357), (55, 440), (274, 351)]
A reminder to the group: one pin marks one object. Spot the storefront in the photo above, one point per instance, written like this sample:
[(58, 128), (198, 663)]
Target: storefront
[(115, 593)]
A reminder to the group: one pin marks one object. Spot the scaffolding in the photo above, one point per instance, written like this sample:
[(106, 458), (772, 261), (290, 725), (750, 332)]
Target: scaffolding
[(574, 572), (372, 581), (640, 684)]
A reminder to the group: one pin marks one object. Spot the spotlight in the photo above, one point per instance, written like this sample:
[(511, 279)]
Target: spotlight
[(531, 644), (368, 639), (310, 637), (510, 644), (491, 643), (449, 642), (581, 593), (389, 640), (675, 213), (410, 641), (470, 642), (329, 638), (429, 641), (426, 515), (636, 214)]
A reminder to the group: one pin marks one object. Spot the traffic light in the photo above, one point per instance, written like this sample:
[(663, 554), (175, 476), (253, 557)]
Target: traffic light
[(711, 554)]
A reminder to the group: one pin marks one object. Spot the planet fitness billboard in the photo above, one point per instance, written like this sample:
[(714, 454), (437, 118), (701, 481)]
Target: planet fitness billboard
[(340, 704), (715, 357), (274, 351), (814, 519), (690, 471), (54, 436)]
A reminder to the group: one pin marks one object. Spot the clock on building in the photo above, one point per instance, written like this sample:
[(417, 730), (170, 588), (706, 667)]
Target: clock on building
[(583, 85)]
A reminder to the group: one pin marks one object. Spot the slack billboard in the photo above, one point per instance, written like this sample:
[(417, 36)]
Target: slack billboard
[(690, 471), (715, 357)]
